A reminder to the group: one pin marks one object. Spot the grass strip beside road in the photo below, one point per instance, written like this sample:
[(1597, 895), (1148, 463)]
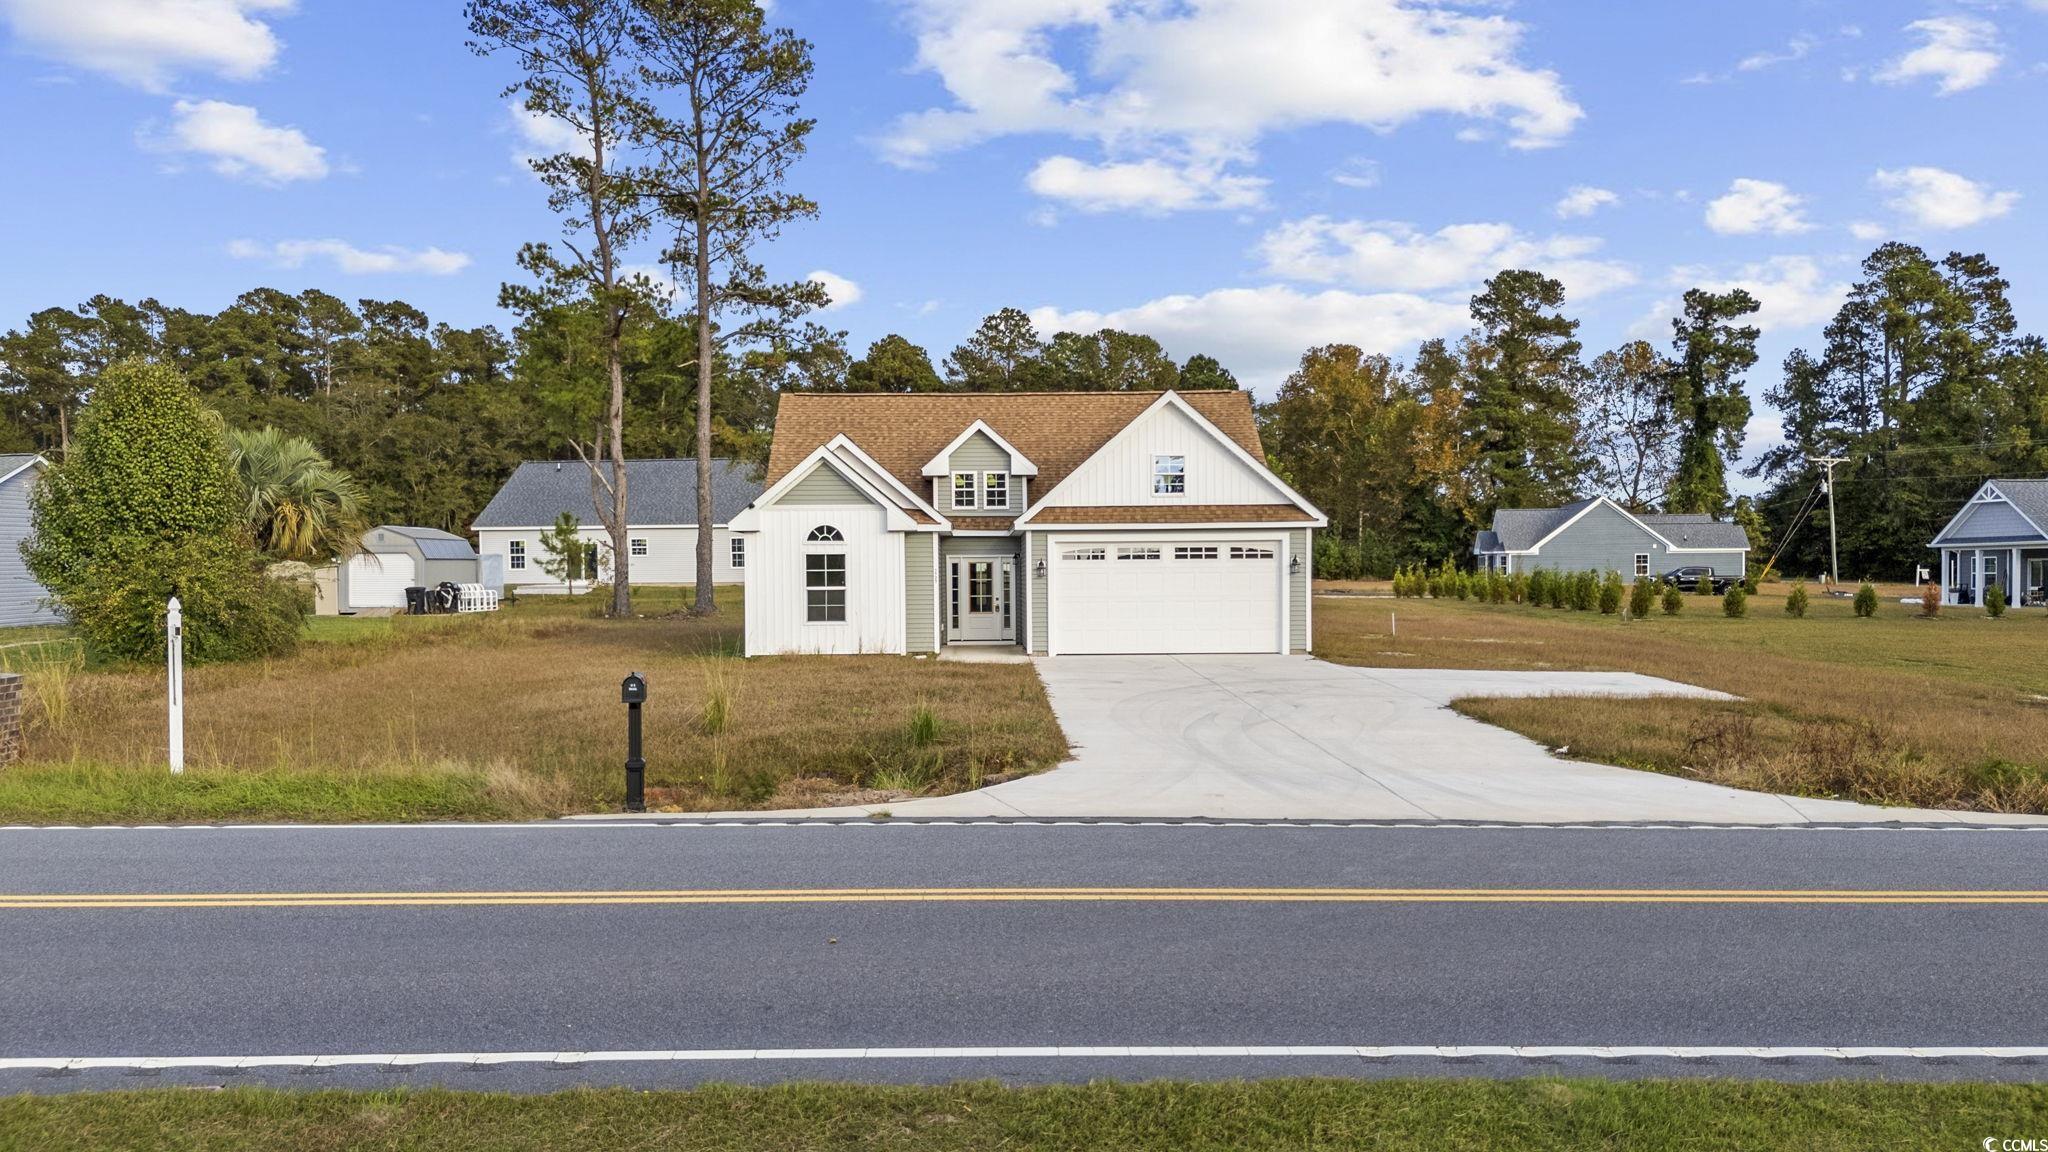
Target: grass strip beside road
[(1644, 1116)]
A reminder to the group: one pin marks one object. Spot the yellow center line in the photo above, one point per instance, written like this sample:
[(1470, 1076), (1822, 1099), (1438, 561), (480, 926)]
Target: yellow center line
[(431, 899)]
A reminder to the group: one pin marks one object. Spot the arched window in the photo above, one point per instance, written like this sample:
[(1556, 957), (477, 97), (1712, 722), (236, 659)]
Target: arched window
[(826, 534)]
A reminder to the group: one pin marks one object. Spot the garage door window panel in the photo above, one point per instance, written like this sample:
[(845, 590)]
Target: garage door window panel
[(1251, 553), (1137, 553), (1195, 552)]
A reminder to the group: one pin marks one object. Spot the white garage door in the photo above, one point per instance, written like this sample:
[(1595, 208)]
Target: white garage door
[(379, 579), (1189, 595)]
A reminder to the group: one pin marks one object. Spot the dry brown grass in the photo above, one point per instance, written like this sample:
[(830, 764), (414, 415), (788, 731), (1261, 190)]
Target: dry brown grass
[(528, 701), (1949, 712)]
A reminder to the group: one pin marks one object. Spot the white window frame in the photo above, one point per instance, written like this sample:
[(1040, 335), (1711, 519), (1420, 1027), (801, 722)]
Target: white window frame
[(973, 490), (1196, 552), (515, 555), (737, 547), (1251, 552), (1086, 555), (1642, 565), (1169, 475), (810, 610), (989, 481), (637, 546), (1138, 552)]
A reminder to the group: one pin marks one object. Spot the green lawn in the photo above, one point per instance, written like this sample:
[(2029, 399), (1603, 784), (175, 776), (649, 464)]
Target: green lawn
[(516, 715), (1950, 712), (1648, 1116)]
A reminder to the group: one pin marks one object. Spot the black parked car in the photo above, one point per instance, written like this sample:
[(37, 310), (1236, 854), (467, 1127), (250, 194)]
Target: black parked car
[(1689, 578)]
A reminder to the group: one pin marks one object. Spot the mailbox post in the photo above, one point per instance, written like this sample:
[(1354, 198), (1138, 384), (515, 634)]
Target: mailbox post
[(633, 692)]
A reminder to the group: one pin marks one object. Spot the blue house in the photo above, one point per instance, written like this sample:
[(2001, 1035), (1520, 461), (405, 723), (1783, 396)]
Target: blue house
[(1997, 538), (22, 600), (1600, 535)]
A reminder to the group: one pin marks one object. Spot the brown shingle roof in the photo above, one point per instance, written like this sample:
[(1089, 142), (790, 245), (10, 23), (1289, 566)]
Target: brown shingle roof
[(1057, 430), (1176, 514)]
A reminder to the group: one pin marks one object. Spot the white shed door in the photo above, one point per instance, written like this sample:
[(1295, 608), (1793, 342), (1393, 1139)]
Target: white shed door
[(1187, 595), (379, 579)]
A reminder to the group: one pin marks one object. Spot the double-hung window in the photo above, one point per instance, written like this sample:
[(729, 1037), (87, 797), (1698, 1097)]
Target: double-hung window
[(637, 547), (739, 551), (995, 490), (515, 555), (1169, 475), (963, 489), (1642, 564), (825, 588)]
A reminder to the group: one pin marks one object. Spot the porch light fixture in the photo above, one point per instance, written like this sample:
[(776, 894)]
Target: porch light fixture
[(1038, 569), (1294, 564)]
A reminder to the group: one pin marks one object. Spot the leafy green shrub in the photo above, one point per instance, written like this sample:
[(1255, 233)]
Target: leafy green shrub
[(1735, 605), (1704, 588), (1461, 584), (1674, 600), (145, 506), (1641, 595), (1538, 587), (1795, 601), (1866, 601), (1496, 587), (1610, 594), (1994, 601), (1585, 591), (1518, 587), (1560, 590)]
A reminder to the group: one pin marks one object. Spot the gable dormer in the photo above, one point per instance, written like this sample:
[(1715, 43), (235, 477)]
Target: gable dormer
[(980, 472)]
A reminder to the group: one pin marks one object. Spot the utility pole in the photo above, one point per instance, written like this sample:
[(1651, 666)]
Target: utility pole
[(1834, 552)]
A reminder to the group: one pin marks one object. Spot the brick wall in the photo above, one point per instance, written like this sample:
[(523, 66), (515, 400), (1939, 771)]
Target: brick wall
[(10, 718)]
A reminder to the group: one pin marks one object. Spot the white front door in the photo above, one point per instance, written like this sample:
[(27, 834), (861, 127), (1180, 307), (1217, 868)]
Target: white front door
[(1166, 596), (379, 580), (978, 602)]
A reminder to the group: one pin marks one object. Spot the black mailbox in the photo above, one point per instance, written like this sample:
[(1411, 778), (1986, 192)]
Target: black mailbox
[(633, 690)]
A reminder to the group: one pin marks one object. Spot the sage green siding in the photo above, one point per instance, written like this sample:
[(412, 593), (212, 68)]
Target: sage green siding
[(920, 595), (1034, 599), (1298, 590), (824, 486)]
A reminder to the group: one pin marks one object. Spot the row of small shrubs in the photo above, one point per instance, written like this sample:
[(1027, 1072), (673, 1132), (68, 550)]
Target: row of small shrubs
[(1585, 591)]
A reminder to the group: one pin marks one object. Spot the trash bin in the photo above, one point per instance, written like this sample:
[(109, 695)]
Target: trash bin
[(416, 601)]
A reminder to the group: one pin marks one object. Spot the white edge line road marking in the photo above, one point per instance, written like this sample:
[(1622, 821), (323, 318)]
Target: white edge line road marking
[(1063, 1052)]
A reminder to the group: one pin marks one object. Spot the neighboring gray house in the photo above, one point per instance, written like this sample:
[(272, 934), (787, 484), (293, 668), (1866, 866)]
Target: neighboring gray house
[(395, 557), (1997, 538), (1601, 535), (661, 518), (21, 598)]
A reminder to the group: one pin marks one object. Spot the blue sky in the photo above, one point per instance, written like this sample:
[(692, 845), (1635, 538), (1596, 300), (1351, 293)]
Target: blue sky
[(1239, 177)]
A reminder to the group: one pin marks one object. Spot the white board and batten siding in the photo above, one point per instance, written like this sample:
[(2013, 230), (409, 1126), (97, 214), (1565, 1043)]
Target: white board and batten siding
[(671, 555), (777, 605), (1120, 474)]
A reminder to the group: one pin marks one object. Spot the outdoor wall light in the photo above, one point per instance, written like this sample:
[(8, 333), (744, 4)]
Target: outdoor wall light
[(1038, 569), (1294, 564)]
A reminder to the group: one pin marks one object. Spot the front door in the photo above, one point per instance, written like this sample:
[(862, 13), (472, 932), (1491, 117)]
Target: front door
[(978, 606)]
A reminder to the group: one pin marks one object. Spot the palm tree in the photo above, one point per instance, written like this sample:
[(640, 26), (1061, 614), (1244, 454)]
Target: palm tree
[(300, 506)]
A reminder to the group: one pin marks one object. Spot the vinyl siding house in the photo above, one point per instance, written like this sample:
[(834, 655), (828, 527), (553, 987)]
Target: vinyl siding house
[(661, 514), (1997, 538), (1600, 535), (1059, 523), (21, 598)]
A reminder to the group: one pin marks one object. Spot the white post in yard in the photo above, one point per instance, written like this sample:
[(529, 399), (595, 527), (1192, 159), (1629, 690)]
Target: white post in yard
[(174, 636)]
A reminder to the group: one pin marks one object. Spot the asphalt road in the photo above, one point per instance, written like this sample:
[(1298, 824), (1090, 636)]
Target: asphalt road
[(493, 956)]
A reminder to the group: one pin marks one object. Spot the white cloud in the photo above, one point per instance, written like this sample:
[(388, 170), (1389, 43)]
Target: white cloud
[(1385, 256), (1797, 48), (1795, 292), (1151, 186), (844, 293), (1753, 206), (1260, 333), (1934, 198), (149, 42), (1359, 172), (1961, 52), (239, 144), (1584, 200), (1866, 230), (1204, 80), (387, 259)]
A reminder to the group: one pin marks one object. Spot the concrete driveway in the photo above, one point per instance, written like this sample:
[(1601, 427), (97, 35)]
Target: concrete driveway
[(1273, 737)]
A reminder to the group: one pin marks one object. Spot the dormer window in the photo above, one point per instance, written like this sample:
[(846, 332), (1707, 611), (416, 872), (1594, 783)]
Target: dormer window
[(1169, 475), (995, 490), (963, 489)]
